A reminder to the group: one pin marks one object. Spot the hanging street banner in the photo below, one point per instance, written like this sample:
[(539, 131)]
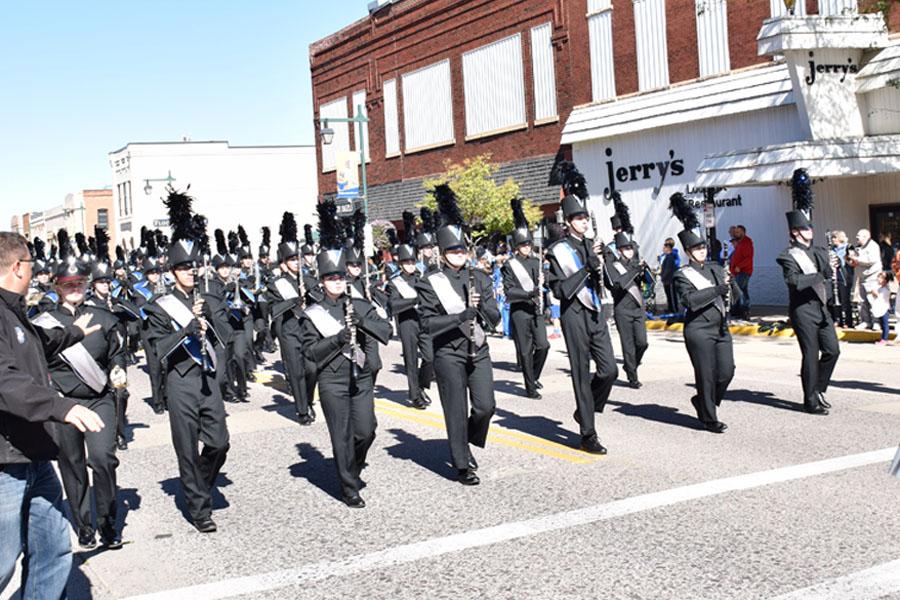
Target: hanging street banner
[(347, 174)]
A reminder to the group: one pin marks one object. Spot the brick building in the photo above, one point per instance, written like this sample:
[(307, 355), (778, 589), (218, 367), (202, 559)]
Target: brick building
[(649, 86)]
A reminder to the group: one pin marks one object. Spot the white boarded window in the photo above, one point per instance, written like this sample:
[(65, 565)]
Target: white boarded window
[(544, 73), (712, 37), (359, 100), (603, 76), (494, 85), (652, 51), (336, 109), (836, 8), (391, 123), (779, 10), (427, 107)]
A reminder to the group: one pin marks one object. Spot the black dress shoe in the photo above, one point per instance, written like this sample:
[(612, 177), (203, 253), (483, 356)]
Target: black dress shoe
[(121, 443), (110, 538), (205, 525), (592, 445), (716, 427), (158, 409), (468, 477), (473, 464), (816, 410), (635, 384), (539, 385), (305, 420), (231, 398), (87, 539), (533, 394), (424, 397), (822, 400), (420, 404), (312, 412), (354, 501)]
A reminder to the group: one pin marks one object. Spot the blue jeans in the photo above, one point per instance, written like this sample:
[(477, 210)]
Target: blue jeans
[(32, 522), (742, 306)]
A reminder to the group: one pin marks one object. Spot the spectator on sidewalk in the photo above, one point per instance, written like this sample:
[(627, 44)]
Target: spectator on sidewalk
[(843, 312), (895, 267), (880, 306), (668, 264), (32, 518), (887, 249), (868, 266), (741, 266)]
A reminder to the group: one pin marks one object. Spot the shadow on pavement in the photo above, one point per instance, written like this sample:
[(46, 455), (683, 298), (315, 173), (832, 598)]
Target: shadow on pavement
[(172, 487), (284, 406), (428, 454), (317, 470), (868, 386), (400, 397), (763, 399), (541, 427), (659, 413)]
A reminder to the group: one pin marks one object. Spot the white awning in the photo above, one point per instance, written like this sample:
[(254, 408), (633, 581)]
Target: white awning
[(770, 165), (881, 70), (742, 91)]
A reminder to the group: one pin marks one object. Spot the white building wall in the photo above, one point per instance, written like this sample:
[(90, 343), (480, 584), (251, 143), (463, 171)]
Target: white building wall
[(761, 211), (250, 186)]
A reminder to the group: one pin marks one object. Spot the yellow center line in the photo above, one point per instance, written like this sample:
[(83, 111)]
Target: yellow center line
[(500, 435)]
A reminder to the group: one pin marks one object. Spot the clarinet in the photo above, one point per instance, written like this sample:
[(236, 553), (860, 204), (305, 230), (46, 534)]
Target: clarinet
[(834, 272), (600, 289), (301, 287), (348, 321), (195, 296), (727, 268), (470, 301)]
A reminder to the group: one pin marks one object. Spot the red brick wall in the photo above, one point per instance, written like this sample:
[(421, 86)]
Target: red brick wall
[(417, 33)]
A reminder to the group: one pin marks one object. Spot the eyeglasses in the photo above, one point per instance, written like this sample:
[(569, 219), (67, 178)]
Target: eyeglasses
[(26, 260)]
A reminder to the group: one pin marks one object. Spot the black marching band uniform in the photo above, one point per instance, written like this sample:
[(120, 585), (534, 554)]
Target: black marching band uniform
[(219, 284), (626, 276), (702, 289), (808, 273), (85, 372), (196, 411), (336, 335), (404, 302), (522, 286), (289, 293), (575, 277), (145, 292), (462, 360), (262, 316)]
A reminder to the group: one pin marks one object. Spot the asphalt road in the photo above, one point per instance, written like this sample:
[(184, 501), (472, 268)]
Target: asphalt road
[(783, 504)]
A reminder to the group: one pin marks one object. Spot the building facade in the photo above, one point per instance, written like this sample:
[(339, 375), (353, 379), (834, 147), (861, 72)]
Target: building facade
[(638, 93), (247, 185)]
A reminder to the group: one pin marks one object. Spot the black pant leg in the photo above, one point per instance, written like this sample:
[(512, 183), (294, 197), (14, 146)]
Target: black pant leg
[(426, 367), (522, 326), (409, 341), (334, 394), (154, 370), (541, 346), (700, 340), (451, 375), (831, 351), (102, 460), (625, 328), (213, 432), (605, 359), (481, 396), (577, 340), (295, 373), (807, 334), (185, 399), (724, 365), (362, 419), (73, 470)]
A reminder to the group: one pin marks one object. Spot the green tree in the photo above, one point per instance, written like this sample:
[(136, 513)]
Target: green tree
[(484, 202)]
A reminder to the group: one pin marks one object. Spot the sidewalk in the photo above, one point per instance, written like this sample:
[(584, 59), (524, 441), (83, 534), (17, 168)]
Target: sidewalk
[(770, 321)]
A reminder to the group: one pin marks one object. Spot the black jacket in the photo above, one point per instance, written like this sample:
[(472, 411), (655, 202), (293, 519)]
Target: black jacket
[(330, 353), (518, 298), (26, 398)]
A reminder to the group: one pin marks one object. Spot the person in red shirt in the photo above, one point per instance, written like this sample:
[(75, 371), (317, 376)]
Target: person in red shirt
[(741, 267)]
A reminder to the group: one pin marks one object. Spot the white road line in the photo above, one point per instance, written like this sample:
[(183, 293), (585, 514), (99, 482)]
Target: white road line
[(868, 584), (504, 532)]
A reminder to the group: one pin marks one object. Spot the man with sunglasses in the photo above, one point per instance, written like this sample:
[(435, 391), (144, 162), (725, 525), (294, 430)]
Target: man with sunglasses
[(30, 492)]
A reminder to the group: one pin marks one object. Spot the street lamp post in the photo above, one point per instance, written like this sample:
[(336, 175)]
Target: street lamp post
[(327, 135), (148, 189)]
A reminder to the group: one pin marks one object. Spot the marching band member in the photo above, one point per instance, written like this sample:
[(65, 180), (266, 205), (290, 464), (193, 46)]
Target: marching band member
[(336, 334), (522, 278), (457, 306), (703, 288)]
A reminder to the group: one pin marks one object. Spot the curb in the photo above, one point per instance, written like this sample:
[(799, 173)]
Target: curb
[(852, 336)]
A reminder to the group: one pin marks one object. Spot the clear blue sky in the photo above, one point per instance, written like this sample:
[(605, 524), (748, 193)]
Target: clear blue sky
[(81, 78)]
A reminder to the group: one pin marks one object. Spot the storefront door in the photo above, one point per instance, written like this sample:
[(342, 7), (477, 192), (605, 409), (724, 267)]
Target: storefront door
[(885, 218)]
